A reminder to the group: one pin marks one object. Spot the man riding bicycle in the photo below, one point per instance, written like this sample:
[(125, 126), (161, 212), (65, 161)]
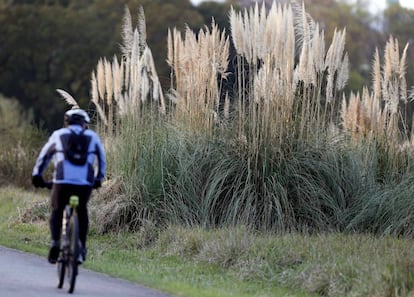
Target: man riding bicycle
[(71, 176)]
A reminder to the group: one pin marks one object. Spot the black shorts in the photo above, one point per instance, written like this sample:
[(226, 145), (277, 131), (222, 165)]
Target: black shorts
[(62, 192)]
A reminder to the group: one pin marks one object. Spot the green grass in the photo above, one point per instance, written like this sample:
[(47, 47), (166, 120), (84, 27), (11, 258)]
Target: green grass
[(120, 255), (232, 261), (28, 236), (178, 276)]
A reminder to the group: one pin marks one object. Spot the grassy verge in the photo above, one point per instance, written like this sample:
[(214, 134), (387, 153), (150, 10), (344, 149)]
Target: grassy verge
[(23, 225), (226, 262)]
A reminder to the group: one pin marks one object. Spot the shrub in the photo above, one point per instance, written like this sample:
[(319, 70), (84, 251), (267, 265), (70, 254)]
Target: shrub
[(20, 143)]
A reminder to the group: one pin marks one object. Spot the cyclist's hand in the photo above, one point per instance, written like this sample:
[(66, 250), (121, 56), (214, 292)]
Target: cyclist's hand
[(48, 184), (37, 181), (97, 184)]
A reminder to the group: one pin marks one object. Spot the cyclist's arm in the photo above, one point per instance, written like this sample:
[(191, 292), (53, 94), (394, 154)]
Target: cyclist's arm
[(100, 153), (45, 156)]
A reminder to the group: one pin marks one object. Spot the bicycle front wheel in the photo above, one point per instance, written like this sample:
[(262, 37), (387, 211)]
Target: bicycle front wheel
[(61, 268), (72, 265)]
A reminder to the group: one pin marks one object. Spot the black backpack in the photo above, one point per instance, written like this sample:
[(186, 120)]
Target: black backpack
[(75, 147)]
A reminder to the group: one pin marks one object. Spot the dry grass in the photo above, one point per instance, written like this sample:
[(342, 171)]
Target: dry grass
[(288, 82), (286, 101), (198, 63), (283, 97), (379, 112), (120, 89), (321, 265), (19, 143)]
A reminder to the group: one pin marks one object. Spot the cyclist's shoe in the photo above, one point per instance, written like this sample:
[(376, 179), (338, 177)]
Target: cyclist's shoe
[(82, 255), (53, 253), (80, 259)]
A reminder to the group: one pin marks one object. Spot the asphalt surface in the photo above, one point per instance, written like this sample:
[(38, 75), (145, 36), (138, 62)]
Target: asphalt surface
[(27, 275)]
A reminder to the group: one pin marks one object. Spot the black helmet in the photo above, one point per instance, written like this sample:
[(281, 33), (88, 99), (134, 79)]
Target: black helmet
[(77, 116)]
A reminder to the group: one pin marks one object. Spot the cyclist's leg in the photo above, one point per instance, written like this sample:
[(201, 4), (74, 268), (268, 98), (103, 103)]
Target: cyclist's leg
[(59, 200), (84, 193)]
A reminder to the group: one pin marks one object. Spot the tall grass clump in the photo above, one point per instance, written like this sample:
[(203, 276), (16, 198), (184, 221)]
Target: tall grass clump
[(19, 142), (314, 191), (282, 149), (198, 68), (278, 117), (286, 98), (130, 107), (135, 192), (125, 92), (387, 210), (380, 116)]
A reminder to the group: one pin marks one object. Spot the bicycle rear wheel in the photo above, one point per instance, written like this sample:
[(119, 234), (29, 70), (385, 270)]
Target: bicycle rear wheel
[(72, 264), (64, 249)]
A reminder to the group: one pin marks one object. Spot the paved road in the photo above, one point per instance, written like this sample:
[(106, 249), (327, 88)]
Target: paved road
[(26, 275)]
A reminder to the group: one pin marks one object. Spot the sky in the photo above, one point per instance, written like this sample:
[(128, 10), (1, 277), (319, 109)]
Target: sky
[(375, 4), (380, 4), (196, 2)]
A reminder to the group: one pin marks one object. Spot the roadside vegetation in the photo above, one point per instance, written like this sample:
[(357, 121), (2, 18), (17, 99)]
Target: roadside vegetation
[(20, 141), (282, 149), (233, 261), (277, 179)]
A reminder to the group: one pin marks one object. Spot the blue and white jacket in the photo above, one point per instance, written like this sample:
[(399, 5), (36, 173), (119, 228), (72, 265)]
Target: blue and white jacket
[(64, 171)]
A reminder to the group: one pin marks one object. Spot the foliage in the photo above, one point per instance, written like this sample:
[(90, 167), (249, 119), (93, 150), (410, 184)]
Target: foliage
[(19, 142), (323, 265), (273, 154), (52, 57), (216, 10), (55, 44), (277, 153), (138, 165), (232, 261)]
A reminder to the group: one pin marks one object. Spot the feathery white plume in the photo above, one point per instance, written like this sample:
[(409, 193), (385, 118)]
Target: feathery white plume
[(68, 98), (142, 28), (127, 33)]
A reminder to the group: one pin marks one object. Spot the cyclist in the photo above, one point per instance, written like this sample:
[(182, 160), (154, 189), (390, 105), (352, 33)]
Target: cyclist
[(68, 178)]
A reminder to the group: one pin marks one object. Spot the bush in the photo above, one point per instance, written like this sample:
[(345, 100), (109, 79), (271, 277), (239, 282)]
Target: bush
[(20, 143)]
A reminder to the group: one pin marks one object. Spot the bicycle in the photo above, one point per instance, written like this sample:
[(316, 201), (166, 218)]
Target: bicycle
[(69, 245), (69, 250)]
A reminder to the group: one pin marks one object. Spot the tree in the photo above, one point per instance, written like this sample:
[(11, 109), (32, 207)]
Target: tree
[(48, 47), (54, 44)]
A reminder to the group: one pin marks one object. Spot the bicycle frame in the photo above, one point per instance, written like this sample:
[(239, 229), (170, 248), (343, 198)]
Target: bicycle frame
[(69, 245)]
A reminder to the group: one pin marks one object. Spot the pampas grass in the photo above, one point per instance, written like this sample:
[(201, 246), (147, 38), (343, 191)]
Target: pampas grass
[(381, 113), (68, 98), (123, 89), (285, 97), (199, 64), (283, 149)]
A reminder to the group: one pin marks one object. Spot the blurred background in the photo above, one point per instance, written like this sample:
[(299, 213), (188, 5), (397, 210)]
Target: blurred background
[(50, 44)]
